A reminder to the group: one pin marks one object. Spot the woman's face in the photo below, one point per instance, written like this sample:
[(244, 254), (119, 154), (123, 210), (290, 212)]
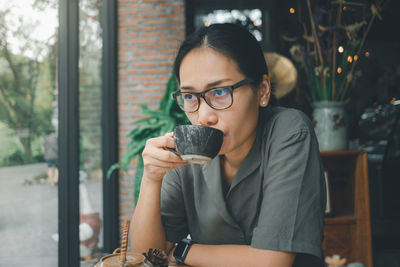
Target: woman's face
[(204, 68)]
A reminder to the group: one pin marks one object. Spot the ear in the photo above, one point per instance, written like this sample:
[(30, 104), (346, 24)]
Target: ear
[(264, 91)]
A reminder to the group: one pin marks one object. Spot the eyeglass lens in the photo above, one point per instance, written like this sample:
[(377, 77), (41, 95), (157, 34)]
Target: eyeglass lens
[(218, 98)]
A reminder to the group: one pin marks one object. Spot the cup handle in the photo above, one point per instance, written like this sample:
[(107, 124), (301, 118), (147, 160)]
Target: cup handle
[(173, 150)]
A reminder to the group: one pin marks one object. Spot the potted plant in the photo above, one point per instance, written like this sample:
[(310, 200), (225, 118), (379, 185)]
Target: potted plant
[(331, 46), (155, 123)]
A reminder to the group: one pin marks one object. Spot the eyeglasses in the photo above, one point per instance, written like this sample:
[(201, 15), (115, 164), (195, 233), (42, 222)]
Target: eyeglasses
[(217, 98)]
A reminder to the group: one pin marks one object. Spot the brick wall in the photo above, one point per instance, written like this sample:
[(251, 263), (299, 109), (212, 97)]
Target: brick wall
[(149, 33)]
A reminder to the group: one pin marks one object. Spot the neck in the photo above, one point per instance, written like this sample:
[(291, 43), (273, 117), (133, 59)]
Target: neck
[(231, 161)]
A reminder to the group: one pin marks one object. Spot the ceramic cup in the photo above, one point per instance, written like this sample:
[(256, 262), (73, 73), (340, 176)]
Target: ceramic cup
[(198, 144)]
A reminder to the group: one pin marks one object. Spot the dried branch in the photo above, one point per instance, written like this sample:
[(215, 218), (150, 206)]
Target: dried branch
[(334, 48), (314, 31), (350, 75)]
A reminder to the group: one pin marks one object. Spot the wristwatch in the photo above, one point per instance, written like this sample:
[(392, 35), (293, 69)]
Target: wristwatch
[(181, 250)]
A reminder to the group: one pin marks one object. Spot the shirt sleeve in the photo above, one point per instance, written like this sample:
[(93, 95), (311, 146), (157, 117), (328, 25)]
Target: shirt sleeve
[(292, 209), (173, 213)]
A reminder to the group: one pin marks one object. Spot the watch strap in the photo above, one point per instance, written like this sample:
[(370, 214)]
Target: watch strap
[(182, 249)]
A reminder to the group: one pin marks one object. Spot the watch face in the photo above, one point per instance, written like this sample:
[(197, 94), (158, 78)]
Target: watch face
[(180, 248)]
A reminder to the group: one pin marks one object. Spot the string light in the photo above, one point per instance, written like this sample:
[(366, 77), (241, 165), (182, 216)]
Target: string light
[(367, 54), (291, 10), (349, 59), (355, 58), (345, 8), (207, 23), (340, 49), (339, 70)]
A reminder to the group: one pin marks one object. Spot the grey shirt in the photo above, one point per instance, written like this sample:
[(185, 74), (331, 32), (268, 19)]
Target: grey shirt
[(276, 200)]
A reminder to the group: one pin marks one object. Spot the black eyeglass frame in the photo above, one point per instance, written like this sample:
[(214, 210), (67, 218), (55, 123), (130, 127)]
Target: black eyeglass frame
[(202, 94)]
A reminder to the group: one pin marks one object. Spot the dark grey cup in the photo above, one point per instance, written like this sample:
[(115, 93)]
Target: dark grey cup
[(198, 144)]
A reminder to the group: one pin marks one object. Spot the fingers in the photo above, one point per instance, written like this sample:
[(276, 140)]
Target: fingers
[(157, 159), (170, 134), (159, 148), (163, 141), (168, 165)]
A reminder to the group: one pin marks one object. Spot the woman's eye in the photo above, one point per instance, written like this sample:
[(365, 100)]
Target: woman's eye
[(188, 97), (220, 92)]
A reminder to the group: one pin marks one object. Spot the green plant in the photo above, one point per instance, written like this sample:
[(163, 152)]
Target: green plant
[(156, 123)]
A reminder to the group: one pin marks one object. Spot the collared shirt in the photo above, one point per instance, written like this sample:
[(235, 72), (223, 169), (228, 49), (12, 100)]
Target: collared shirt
[(276, 200)]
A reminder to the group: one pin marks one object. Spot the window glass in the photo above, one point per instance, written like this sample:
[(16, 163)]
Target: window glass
[(90, 174), (28, 133), (250, 18)]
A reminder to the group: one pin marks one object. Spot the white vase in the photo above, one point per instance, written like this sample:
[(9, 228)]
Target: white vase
[(330, 125)]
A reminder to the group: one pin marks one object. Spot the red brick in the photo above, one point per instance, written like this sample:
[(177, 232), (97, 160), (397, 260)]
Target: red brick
[(170, 40), (127, 85), (124, 11), (168, 51), (143, 40), (178, 21), (146, 28), (144, 65), (128, 23), (145, 52), (155, 84), (127, 72), (165, 63), (153, 12), (153, 1), (151, 58), (171, 28), (178, 10), (142, 6), (127, 59), (152, 34), (126, 186), (154, 71), (127, 47), (174, 3), (123, 29), (145, 46), (153, 22), (127, 35), (125, 211), (145, 78), (129, 110)]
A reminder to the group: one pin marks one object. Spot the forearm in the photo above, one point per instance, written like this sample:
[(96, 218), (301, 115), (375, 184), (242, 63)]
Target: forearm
[(146, 228), (236, 255)]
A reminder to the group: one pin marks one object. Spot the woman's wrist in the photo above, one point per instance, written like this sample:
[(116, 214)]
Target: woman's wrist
[(191, 255), (151, 179)]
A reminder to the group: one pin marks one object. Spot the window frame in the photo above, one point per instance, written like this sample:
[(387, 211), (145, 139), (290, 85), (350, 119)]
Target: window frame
[(68, 83)]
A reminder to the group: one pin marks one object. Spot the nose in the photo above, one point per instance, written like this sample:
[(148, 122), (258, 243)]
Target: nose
[(206, 115)]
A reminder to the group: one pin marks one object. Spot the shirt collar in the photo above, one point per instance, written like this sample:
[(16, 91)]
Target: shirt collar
[(250, 163), (212, 170)]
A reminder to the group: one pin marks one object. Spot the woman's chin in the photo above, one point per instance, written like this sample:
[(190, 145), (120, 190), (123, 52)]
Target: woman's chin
[(222, 151)]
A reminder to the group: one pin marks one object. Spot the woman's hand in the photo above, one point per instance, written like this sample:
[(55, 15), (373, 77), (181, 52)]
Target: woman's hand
[(157, 159)]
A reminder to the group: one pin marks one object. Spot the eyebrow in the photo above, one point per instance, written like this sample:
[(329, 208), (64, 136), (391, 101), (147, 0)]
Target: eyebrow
[(209, 85)]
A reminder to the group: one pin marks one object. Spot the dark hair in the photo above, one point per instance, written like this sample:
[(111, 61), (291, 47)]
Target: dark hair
[(232, 40)]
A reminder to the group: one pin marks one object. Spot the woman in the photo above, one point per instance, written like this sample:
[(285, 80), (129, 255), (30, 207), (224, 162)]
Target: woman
[(261, 201)]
